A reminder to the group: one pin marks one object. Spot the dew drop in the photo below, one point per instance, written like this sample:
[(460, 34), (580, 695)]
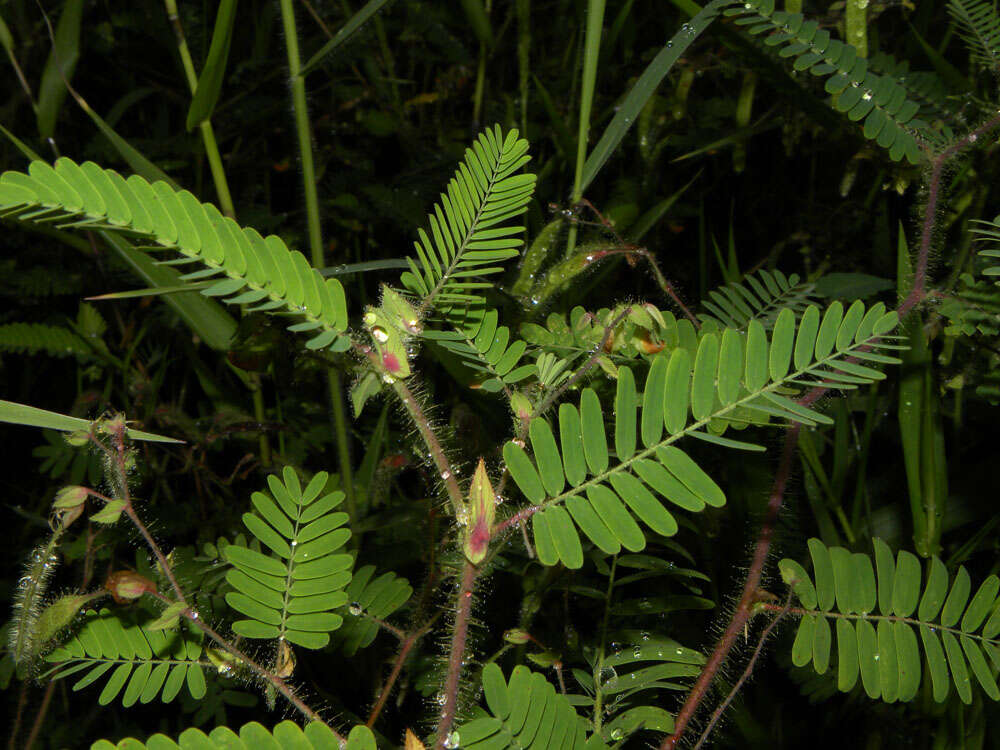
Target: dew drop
[(355, 608), (617, 734), (451, 741), (608, 677), (867, 96)]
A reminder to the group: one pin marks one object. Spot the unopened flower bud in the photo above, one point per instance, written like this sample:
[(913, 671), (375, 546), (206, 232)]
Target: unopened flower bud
[(126, 586)]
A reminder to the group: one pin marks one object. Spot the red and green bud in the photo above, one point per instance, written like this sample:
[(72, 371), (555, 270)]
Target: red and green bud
[(516, 636), (481, 509), (521, 406), (388, 340), (126, 586)]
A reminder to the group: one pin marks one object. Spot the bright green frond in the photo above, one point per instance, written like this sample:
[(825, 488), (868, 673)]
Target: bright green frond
[(248, 269), (731, 379), (486, 348), (120, 652), (525, 712), (760, 297), (469, 232), (286, 736), (293, 592), (879, 611)]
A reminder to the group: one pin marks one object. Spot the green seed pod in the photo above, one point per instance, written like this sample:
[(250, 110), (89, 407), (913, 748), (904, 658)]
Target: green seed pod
[(57, 616), (400, 312)]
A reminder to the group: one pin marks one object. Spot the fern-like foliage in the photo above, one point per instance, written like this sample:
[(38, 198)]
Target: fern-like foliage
[(526, 712), (145, 663), (979, 26), (644, 662), (989, 231), (628, 331), (890, 117), (39, 338), (760, 297), (922, 86), (487, 349), (369, 598), (728, 380), (286, 736), (956, 632), (469, 233), (257, 270), (292, 593)]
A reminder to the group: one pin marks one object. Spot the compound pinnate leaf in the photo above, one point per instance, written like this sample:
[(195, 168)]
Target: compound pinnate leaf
[(954, 640)]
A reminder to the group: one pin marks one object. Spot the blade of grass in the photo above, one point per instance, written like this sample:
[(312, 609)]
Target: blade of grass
[(523, 9), (348, 30), (636, 99), (59, 67), (31, 416), (206, 93), (205, 123), (588, 82), (303, 130)]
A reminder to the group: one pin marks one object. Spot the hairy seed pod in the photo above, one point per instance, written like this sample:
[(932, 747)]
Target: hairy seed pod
[(28, 600)]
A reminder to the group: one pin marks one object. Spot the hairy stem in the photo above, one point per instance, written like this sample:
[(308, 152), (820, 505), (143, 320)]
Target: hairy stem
[(431, 441), (747, 599), (721, 708), (43, 710), (762, 548), (456, 655), (404, 651), (117, 453)]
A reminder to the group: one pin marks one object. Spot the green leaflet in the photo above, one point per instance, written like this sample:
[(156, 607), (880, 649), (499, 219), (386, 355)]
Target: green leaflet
[(489, 350), (93, 198), (373, 595), (880, 102), (761, 297), (725, 384), (286, 736), (979, 26), (881, 647), (468, 235), (140, 663), (293, 593), (524, 712)]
